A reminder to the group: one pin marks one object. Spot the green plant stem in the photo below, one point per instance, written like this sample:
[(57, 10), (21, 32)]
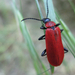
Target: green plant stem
[(39, 10), (29, 42), (67, 35), (51, 10), (72, 5), (52, 17)]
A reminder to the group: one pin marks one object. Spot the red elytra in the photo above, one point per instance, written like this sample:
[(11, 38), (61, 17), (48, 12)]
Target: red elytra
[(54, 47)]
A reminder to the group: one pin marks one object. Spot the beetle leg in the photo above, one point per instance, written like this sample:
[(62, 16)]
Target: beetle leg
[(43, 53), (61, 30), (42, 37), (57, 24), (42, 27), (65, 50)]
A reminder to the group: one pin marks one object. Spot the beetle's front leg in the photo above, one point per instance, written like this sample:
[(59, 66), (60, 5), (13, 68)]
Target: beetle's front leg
[(43, 53), (42, 37), (42, 27)]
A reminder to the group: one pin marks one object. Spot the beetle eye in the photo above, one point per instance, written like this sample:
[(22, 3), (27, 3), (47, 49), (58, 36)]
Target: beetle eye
[(47, 20)]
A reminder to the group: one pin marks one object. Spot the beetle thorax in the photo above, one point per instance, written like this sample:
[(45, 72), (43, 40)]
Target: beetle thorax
[(50, 24)]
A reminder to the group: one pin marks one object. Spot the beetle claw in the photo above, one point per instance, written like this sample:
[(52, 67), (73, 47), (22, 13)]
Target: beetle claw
[(61, 30), (65, 50)]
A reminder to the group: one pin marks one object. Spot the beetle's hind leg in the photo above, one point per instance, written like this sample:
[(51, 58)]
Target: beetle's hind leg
[(65, 50), (61, 30), (42, 37), (43, 53)]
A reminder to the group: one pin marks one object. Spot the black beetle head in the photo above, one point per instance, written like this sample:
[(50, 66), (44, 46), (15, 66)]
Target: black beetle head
[(45, 20)]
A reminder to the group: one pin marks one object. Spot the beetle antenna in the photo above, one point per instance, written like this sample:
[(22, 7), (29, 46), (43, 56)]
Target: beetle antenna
[(31, 18), (47, 9)]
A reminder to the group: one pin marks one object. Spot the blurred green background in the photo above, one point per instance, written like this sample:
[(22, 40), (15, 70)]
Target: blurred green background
[(14, 56)]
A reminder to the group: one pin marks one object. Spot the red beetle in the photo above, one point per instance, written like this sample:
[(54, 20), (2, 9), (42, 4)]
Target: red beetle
[(54, 47)]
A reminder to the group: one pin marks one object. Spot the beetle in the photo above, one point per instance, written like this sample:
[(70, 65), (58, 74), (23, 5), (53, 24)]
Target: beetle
[(54, 47)]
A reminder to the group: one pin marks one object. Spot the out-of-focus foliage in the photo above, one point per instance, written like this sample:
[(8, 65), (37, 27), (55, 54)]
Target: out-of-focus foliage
[(14, 55)]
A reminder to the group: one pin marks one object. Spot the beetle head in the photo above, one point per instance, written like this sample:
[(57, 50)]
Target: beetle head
[(45, 20)]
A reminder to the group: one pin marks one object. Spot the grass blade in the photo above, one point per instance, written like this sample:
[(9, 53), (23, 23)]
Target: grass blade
[(72, 5), (52, 17), (29, 42), (70, 40)]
